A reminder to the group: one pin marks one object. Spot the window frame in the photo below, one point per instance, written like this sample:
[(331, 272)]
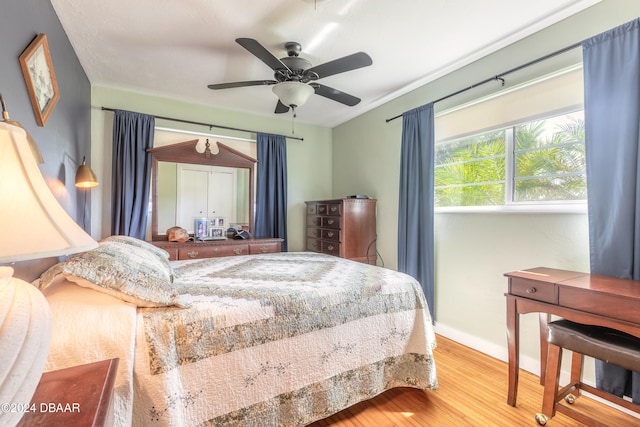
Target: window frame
[(510, 206)]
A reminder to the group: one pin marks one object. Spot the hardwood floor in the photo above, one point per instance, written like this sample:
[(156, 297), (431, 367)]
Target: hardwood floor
[(473, 392)]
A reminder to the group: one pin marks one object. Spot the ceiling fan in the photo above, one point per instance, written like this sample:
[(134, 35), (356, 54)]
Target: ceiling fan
[(295, 77)]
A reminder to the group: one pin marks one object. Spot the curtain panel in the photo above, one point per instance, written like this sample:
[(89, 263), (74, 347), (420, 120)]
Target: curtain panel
[(131, 172), (271, 187), (415, 210), (612, 113)]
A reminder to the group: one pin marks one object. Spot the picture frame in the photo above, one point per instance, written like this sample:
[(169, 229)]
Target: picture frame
[(200, 228), (217, 233), (40, 78)]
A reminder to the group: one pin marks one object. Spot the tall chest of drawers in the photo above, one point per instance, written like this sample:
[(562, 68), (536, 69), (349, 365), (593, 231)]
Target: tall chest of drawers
[(343, 227)]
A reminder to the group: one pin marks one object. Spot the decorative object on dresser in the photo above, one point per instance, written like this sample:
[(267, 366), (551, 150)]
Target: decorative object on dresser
[(343, 227), (218, 248), (35, 226)]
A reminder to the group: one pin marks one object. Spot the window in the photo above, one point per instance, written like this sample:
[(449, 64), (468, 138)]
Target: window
[(541, 161)]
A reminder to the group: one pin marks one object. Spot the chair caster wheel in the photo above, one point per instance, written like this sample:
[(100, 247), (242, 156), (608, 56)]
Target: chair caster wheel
[(541, 419), (570, 399)]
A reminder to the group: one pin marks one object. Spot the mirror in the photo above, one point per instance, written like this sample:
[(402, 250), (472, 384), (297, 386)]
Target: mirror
[(188, 184)]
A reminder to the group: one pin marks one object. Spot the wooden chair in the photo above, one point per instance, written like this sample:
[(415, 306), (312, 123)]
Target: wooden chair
[(606, 344)]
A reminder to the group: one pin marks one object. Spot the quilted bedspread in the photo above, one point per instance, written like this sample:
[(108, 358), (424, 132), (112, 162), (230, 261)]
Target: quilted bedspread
[(278, 340)]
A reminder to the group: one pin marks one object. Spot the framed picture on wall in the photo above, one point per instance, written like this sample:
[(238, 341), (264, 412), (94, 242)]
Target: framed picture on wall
[(37, 68)]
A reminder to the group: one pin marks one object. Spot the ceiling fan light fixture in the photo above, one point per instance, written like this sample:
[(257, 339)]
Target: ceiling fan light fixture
[(293, 94)]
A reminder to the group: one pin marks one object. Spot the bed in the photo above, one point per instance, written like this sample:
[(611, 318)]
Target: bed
[(279, 339)]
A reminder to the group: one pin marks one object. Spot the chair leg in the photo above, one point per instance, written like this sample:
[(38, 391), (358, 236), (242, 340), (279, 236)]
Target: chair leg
[(576, 372), (551, 380)]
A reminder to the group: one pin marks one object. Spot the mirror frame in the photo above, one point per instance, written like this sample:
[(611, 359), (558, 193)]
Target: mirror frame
[(185, 152)]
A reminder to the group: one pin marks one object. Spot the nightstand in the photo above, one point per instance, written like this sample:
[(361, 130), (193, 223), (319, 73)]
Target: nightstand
[(79, 396)]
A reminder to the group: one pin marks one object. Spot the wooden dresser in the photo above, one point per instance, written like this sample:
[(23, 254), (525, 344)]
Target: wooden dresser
[(217, 248), (343, 227)]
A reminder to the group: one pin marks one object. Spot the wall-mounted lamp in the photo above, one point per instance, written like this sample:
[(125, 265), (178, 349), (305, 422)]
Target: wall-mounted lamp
[(85, 178), (34, 225)]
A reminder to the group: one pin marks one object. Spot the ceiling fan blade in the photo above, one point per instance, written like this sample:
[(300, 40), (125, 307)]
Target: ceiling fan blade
[(261, 53), (281, 108), (336, 95), (241, 84), (340, 65)]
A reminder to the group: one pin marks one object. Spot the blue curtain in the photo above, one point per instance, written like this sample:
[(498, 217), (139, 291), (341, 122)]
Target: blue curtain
[(271, 187), (415, 210), (612, 114), (131, 172)]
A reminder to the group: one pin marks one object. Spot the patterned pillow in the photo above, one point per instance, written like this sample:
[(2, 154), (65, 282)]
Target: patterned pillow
[(164, 255), (122, 270)]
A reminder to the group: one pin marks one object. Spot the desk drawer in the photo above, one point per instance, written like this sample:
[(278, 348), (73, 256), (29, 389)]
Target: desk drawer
[(604, 304), (533, 289)]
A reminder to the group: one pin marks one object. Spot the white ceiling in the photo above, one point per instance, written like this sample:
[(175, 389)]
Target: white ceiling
[(175, 48)]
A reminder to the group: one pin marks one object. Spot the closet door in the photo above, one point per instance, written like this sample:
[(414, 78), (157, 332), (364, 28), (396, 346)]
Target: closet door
[(223, 193), (193, 194), (205, 191)]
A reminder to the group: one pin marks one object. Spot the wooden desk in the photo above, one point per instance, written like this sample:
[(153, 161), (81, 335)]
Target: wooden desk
[(76, 396), (585, 298)]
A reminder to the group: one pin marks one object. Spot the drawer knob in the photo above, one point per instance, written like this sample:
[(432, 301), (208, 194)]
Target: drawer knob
[(330, 222), (192, 254), (330, 234), (531, 290), (330, 247), (264, 250), (237, 251), (333, 209)]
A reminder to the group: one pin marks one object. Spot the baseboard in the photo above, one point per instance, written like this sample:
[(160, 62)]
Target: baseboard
[(496, 351)]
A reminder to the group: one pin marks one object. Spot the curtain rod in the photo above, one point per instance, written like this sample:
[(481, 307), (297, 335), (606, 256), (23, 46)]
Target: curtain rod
[(499, 77), (204, 124)]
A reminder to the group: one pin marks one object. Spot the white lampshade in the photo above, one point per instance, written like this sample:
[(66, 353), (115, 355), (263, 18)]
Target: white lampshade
[(34, 225), (293, 94)]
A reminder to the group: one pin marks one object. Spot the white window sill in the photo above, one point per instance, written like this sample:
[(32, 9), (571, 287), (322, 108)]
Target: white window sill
[(564, 208)]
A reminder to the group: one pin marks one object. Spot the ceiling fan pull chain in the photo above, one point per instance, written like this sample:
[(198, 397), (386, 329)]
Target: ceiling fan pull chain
[(293, 119)]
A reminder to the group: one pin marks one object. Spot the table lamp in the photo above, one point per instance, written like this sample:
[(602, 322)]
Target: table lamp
[(34, 225)]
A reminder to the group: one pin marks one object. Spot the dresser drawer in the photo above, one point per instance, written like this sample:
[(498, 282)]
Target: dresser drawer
[(314, 232), (333, 235), (331, 222), (533, 289), (212, 251), (314, 220), (331, 248), (314, 245), (264, 248), (334, 209), (321, 209)]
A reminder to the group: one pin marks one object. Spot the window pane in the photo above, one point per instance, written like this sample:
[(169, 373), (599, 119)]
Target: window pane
[(550, 160), (471, 171)]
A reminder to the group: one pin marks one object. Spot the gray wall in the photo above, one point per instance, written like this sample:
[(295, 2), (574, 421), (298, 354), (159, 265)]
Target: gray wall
[(66, 136)]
